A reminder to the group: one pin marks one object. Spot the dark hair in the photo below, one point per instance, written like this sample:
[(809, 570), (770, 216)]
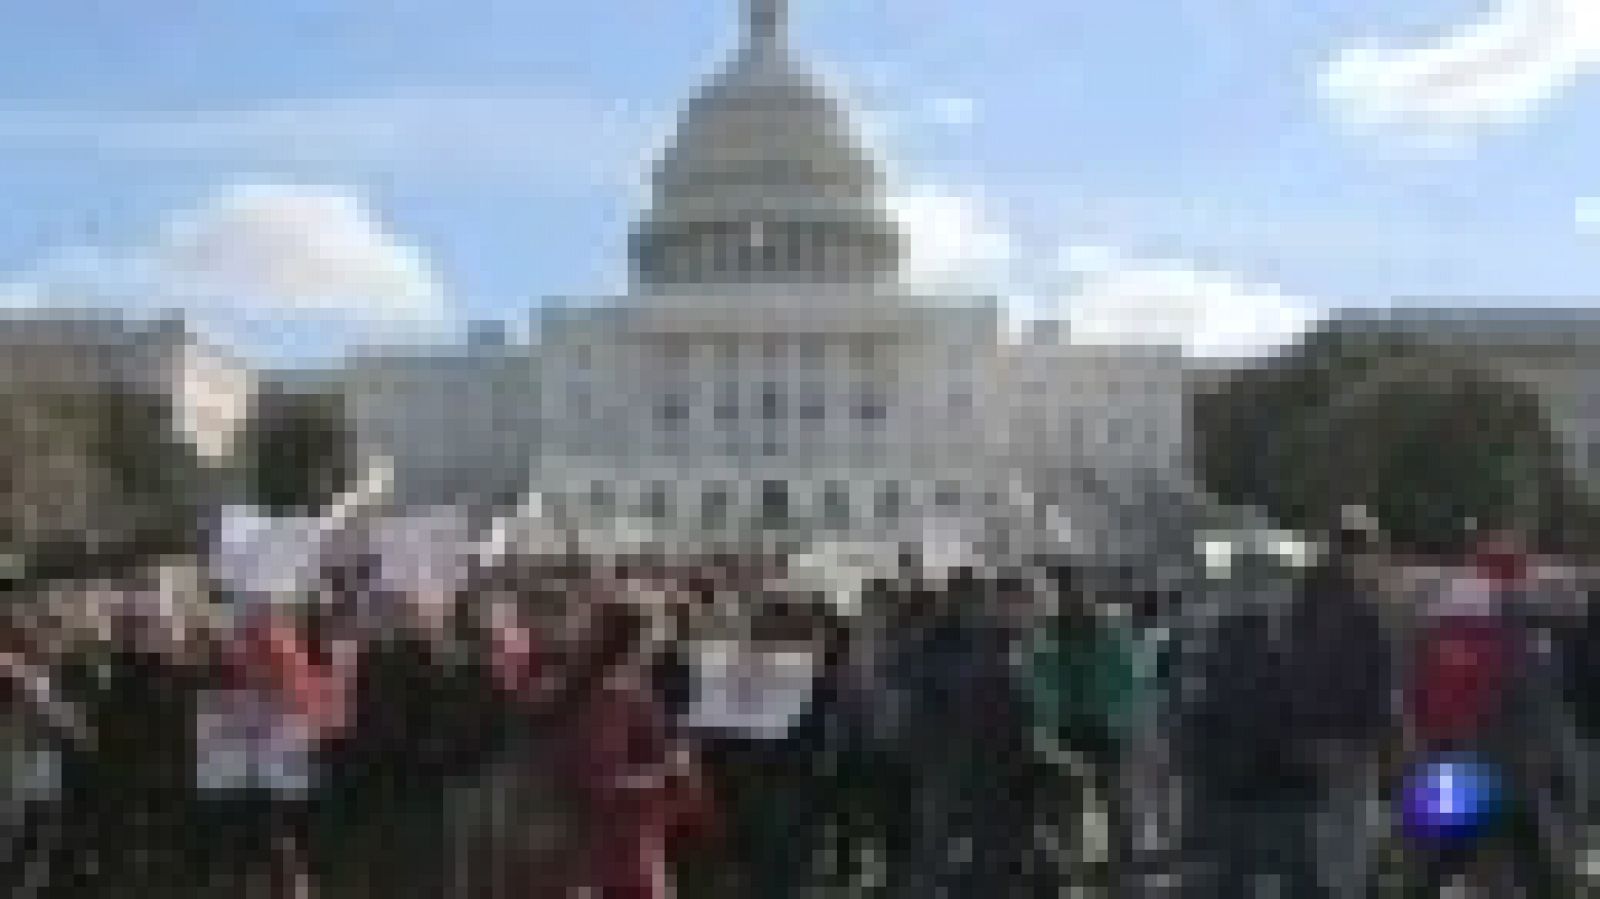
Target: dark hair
[(1349, 541), (618, 631), (1062, 577)]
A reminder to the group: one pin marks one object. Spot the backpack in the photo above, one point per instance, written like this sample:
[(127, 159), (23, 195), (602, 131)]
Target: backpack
[(1462, 678)]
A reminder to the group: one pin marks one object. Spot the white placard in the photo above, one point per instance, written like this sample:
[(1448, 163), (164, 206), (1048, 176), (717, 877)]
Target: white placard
[(243, 741), (756, 693), (423, 553), (267, 557)]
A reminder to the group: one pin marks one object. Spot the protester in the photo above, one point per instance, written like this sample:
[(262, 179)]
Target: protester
[(532, 804), (965, 725), (619, 755), (1341, 670), (1251, 792), (1475, 685), (36, 728), (899, 614), (132, 797), (495, 669), (420, 718), (1581, 676), (836, 729), (258, 729), (1085, 697)]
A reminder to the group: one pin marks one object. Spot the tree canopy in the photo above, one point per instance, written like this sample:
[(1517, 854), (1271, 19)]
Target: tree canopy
[(299, 451), (1417, 433), (90, 478)]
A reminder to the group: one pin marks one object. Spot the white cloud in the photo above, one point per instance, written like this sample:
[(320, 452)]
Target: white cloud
[(954, 241), (548, 139), (958, 242), (300, 248), (1497, 70), (1586, 214), (1132, 301), (253, 261)]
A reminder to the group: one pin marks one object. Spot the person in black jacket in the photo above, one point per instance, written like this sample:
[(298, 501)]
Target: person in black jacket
[(133, 792), (425, 712), (832, 736), (1580, 661), (1342, 681), (1250, 786), (966, 724)]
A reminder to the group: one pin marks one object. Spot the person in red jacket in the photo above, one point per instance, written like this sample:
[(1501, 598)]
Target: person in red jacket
[(621, 762), (1476, 687), (283, 702)]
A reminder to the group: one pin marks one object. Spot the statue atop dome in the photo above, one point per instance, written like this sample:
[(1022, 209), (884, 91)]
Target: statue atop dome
[(766, 22)]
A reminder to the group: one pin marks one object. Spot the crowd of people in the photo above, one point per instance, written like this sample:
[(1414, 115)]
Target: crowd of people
[(562, 728)]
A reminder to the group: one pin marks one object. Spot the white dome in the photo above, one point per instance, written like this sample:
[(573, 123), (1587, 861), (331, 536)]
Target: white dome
[(763, 129), (765, 180)]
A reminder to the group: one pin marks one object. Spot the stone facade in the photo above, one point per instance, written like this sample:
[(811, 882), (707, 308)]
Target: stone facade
[(767, 373)]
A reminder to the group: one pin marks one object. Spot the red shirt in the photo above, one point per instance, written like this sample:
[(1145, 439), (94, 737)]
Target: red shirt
[(1463, 671), (619, 738)]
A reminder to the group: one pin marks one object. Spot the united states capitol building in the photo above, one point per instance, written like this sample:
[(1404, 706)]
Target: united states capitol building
[(769, 375)]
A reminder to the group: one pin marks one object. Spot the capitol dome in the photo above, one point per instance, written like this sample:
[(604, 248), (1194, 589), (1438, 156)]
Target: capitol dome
[(765, 180)]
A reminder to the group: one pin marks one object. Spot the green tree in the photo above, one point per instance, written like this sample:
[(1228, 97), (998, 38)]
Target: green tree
[(298, 448), (94, 480), (1419, 434)]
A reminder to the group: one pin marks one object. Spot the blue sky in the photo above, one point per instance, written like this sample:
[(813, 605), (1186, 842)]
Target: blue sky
[(471, 156)]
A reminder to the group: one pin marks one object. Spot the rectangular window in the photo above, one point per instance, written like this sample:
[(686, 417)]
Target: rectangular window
[(870, 405), (672, 410), (947, 495), (675, 354), (727, 405), (600, 498), (836, 504), (771, 402), (772, 350), (863, 352), (889, 501), (813, 405), (774, 502), (655, 502), (714, 505), (1116, 432), (813, 351)]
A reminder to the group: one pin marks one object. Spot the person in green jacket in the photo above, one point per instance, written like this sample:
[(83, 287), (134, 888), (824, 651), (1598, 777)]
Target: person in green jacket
[(1087, 695)]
